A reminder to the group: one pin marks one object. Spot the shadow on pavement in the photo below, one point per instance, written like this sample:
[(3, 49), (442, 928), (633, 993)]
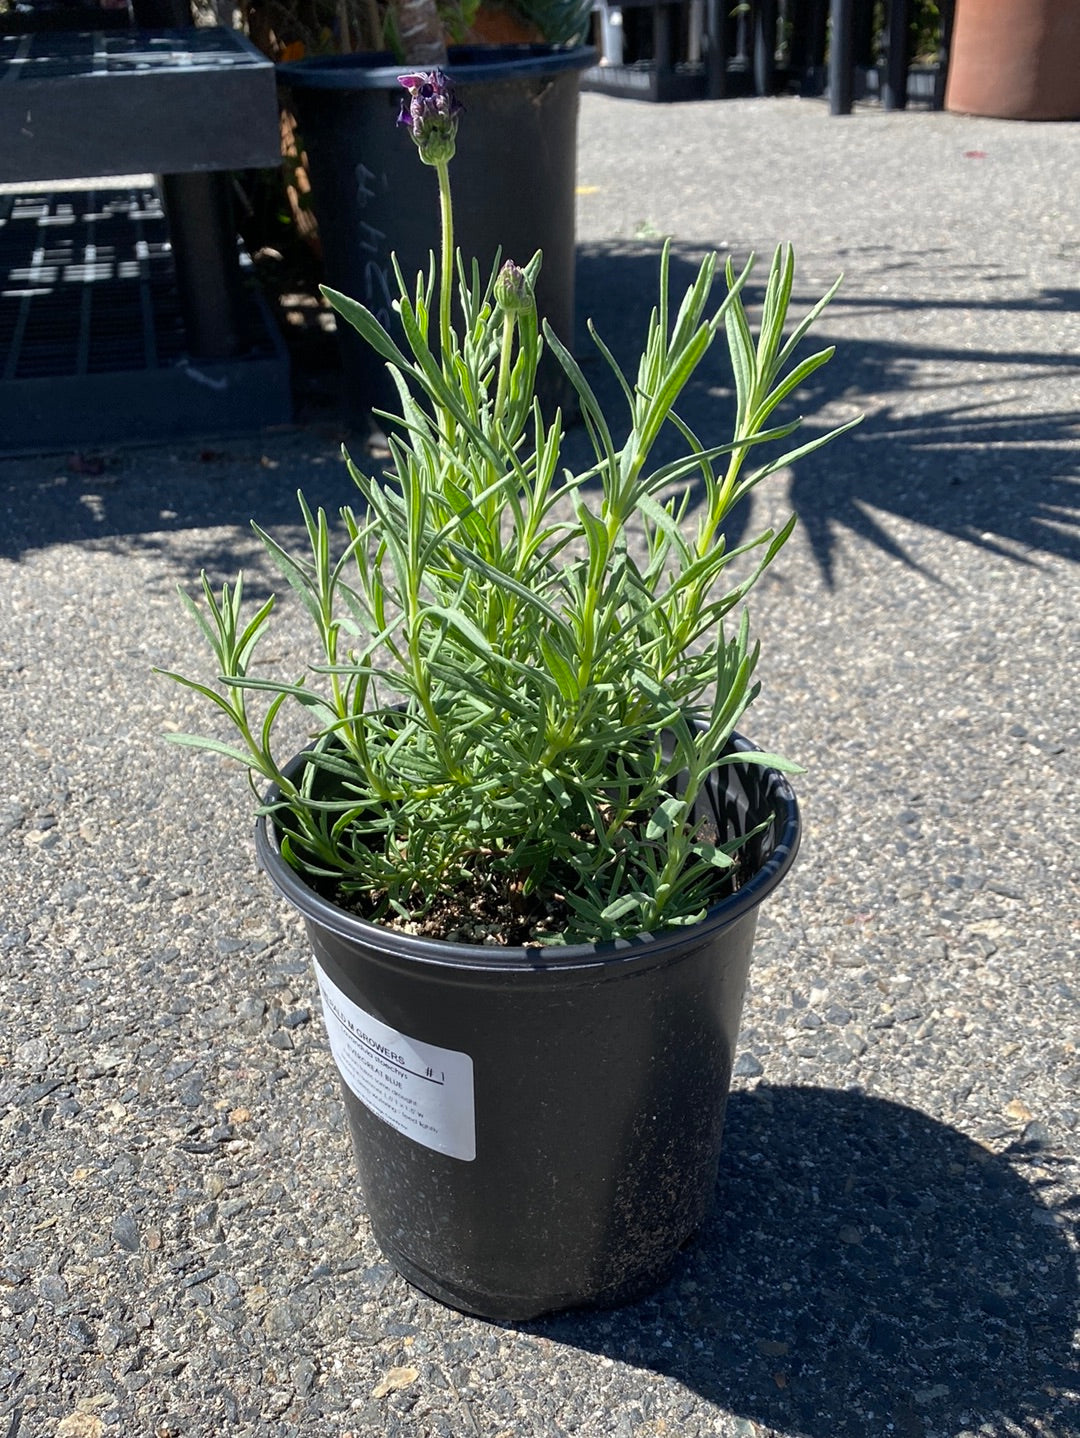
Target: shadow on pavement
[(867, 1270), (131, 498), (1000, 475)]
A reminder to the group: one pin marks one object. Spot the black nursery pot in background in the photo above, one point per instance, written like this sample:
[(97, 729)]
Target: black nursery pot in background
[(513, 178), (539, 1129)]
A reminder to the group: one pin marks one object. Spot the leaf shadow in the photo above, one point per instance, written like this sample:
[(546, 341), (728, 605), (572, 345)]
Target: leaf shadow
[(137, 502), (1002, 475), (939, 447)]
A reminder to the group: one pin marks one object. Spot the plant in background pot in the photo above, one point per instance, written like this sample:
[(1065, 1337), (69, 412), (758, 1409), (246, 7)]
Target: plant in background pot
[(416, 31), (522, 99), (525, 837)]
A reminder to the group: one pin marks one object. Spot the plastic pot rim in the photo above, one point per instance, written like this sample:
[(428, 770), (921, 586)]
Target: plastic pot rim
[(642, 949), (466, 64)]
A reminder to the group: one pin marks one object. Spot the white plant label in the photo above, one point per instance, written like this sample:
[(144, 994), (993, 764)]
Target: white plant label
[(423, 1091)]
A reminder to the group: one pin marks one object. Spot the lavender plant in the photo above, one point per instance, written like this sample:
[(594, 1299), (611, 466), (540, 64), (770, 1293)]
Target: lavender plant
[(525, 676)]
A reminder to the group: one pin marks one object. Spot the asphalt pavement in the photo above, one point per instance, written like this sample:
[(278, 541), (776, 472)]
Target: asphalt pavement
[(893, 1245)]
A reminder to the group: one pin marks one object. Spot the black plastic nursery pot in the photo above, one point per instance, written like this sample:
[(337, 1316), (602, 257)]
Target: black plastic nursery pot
[(539, 1129), (513, 180)]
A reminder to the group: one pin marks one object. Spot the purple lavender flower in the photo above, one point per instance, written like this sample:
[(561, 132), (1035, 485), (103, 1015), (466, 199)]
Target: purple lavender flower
[(431, 114)]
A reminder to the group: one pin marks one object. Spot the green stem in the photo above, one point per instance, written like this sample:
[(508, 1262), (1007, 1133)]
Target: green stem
[(446, 277), (505, 359)]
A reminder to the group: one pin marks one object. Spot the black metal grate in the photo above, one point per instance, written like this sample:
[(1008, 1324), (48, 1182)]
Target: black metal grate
[(92, 339), (86, 284)]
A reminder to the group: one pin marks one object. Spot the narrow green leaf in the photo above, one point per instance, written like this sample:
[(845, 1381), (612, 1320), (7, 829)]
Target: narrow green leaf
[(214, 746), (758, 756), (774, 310), (509, 584), (465, 629), (214, 697), (365, 324), (291, 571), (251, 635), (665, 290), (613, 364), (596, 537), (809, 319), (299, 692), (628, 904), (790, 383), (794, 455), (693, 305), (590, 404), (670, 813), (674, 382), (556, 787), (713, 855), (212, 633), (560, 669), (665, 522), (268, 722), (741, 352)]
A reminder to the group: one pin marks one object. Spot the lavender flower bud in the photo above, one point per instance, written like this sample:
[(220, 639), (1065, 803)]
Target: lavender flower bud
[(513, 290), (431, 114)]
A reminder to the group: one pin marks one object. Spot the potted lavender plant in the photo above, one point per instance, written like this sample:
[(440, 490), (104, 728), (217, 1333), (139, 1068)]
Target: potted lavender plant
[(526, 839)]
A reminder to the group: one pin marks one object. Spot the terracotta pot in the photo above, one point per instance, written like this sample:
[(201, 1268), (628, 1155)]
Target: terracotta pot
[(1015, 59)]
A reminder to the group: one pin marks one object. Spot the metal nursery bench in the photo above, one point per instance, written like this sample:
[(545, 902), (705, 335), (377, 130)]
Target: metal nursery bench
[(184, 104), (712, 49)]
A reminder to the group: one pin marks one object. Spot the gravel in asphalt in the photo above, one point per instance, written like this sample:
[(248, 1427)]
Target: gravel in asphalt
[(892, 1249)]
